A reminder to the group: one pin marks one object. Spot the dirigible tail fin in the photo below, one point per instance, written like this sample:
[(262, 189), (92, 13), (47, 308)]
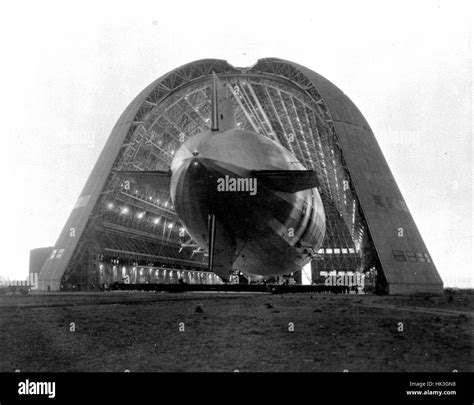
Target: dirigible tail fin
[(222, 112), (288, 181), (221, 249), (211, 230)]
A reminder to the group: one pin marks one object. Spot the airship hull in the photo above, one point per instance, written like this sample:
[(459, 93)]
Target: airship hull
[(259, 230)]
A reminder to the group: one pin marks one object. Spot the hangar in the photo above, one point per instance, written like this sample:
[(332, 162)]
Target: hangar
[(132, 234)]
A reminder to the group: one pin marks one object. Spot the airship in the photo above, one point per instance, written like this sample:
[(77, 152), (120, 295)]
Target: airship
[(243, 198)]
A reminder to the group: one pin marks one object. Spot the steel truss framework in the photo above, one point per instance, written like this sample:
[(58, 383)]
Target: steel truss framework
[(137, 225)]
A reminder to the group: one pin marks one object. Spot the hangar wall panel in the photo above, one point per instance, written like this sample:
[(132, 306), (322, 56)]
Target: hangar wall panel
[(383, 205)]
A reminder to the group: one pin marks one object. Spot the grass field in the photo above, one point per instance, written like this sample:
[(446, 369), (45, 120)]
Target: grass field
[(135, 331)]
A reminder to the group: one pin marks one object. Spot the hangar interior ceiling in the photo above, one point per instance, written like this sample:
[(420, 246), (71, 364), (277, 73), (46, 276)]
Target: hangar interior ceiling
[(138, 225)]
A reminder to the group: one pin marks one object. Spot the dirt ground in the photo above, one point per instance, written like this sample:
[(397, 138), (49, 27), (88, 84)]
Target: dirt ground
[(117, 331)]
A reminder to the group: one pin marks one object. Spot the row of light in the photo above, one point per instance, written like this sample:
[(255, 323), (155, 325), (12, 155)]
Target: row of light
[(178, 272), (340, 273), (150, 198), (336, 251), (125, 210)]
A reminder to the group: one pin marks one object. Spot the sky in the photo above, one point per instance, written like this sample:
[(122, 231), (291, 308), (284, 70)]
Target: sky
[(69, 70)]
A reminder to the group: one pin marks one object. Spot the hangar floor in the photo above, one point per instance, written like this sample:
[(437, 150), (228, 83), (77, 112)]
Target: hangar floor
[(117, 331)]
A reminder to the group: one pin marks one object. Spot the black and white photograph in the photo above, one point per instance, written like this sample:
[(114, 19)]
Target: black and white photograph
[(237, 190)]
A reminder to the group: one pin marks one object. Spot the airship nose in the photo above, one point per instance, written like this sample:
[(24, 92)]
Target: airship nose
[(196, 178), (194, 192)]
